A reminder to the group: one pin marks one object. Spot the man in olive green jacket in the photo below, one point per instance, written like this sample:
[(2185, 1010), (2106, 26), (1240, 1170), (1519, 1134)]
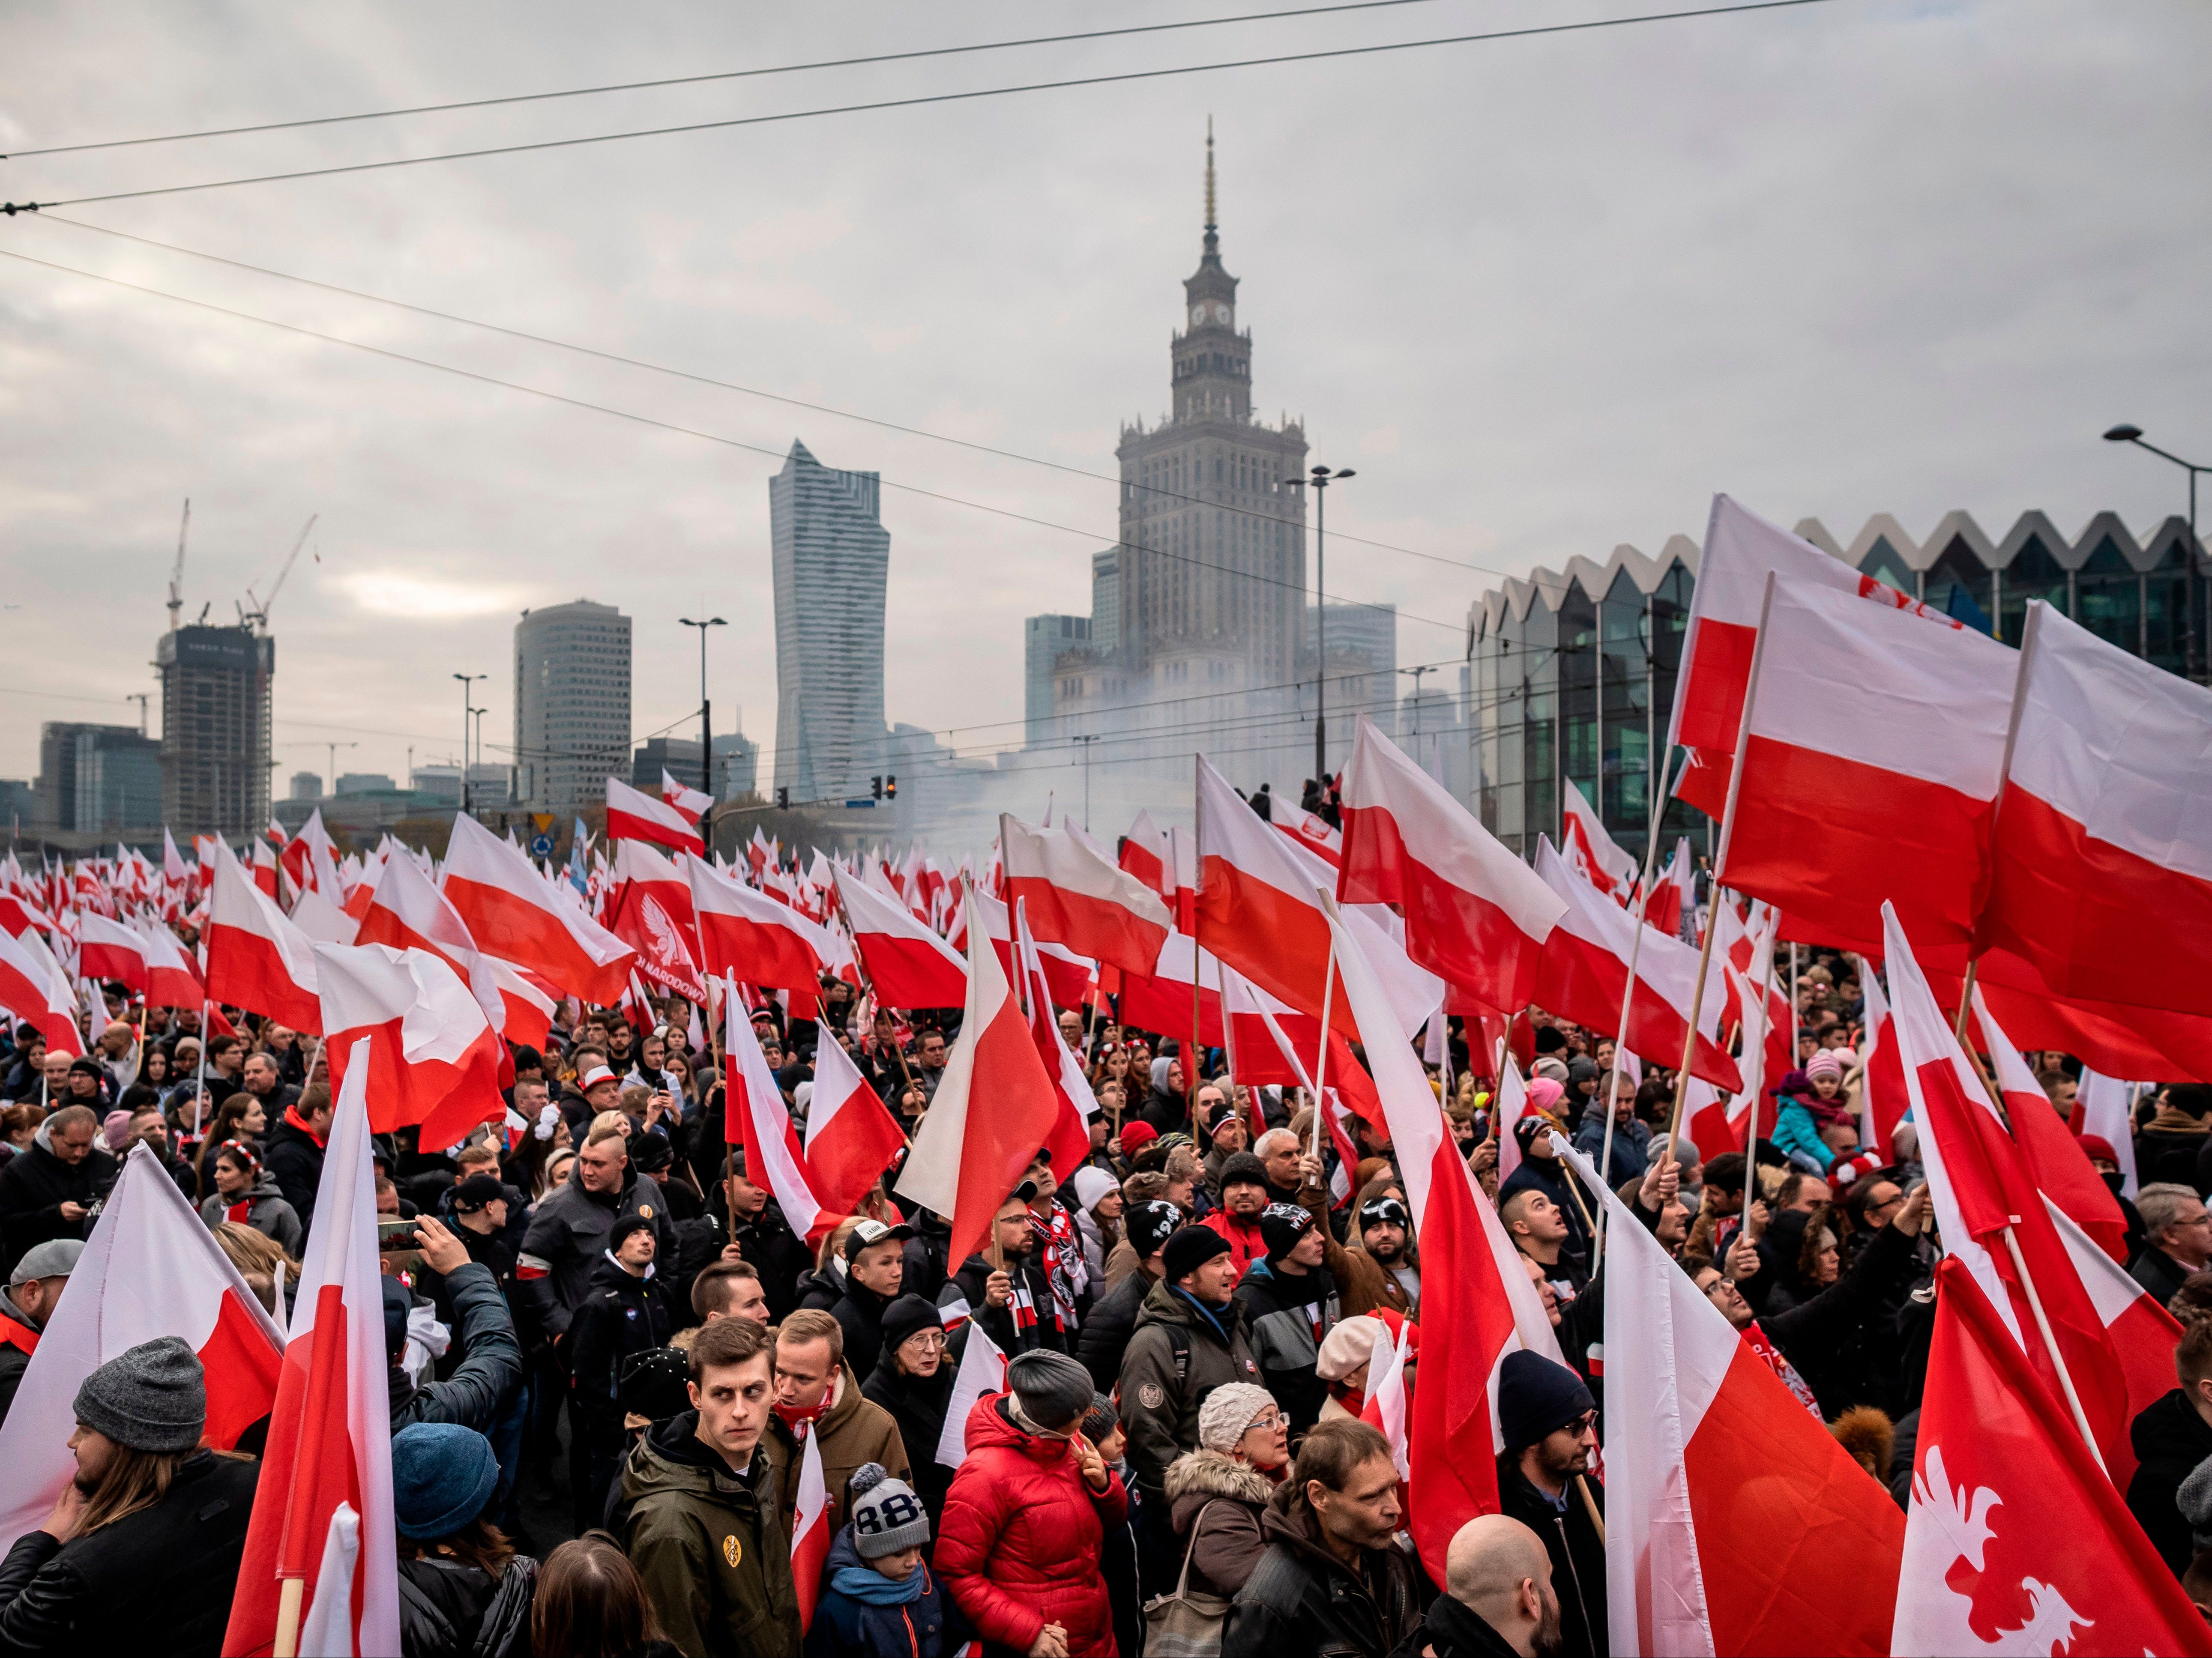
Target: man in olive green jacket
[(695, 1508)]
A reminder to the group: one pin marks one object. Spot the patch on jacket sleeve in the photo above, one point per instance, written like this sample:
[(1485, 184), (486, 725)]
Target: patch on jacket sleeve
[(1151, 1395), (732, 1551)]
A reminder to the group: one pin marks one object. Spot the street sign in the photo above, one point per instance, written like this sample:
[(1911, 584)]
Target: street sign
[(855, 805), (541, 845)]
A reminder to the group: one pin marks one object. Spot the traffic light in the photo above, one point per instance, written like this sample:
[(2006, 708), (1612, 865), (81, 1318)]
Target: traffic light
[(890, 788), (783, 800), (876, 788)]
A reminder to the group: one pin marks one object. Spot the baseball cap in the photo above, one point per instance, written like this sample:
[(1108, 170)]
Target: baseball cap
[(873, 1232)]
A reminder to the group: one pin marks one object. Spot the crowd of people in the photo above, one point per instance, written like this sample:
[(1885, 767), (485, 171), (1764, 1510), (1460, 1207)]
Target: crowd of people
[(610, 1352)]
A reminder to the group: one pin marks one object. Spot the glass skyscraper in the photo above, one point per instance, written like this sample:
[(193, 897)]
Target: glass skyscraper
[(832, 560)]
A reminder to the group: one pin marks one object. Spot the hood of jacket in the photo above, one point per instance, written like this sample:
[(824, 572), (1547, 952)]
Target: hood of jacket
[(991, 1423), (1162, 1305), (671, 1457), (15, 1315), (1207, 1474), (607, 1273), (1262, 1283)]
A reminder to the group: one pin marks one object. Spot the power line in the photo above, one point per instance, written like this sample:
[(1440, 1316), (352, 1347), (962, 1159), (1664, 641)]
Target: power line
[(1152, 490), (12, 208), (701, 80), (692, 431)]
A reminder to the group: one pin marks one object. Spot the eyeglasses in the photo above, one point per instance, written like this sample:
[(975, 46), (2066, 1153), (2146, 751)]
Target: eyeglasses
[(926, 1337), (1584, 1424)]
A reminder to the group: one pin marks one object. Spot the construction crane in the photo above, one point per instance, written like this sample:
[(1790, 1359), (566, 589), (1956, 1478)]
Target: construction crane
[(258, 615), (177, 575)]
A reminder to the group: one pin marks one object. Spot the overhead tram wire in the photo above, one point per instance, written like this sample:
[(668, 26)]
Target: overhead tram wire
[(1092, 536), (708, 79), (917, 101), (1151, 491)]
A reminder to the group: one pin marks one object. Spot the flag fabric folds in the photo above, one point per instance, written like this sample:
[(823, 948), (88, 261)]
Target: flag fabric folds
[(633, 814), (256, 958), (432, 1057), (850, 1138), (1077, 898), (516, 913), (756, 1119), (907, 964)]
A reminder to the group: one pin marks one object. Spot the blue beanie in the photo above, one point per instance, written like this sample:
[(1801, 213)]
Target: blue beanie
[(442, 1475), (1537, 1396)]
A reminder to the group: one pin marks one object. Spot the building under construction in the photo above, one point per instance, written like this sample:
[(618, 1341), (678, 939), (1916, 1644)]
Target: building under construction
[(215, 728)]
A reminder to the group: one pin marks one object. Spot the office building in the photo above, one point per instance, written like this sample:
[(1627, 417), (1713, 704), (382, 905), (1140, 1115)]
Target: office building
[(215, 686), (1571, 670), (736, 763), (572, 666), (1106, 601), (100, 780), (1045, 640), (307, 786), (831, 558), (1362, 641)]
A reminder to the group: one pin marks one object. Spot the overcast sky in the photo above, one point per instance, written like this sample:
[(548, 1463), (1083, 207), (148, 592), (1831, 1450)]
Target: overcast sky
[(1547, 295)]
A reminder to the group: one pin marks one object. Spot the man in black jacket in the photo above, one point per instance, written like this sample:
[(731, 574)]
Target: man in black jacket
[(295, 1143), (1011, 1303), (490, 1367), (1549, 1423), (2171, 1437), (875, 1268), (625, 1313), (159, 1579), (1498, 1597), (760, 1237), (47, 1190), (567, 1235), (1105, 1337), (1290, 1305)]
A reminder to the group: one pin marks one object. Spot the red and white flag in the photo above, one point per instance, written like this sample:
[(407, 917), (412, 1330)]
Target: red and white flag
[(995, 1105), (256, 958), (1476, 1296), (31, 988), (172, 977), (1389, 1410), (1078, 899), (1474, 913), (1584, 969), (1160, 1001), (1731, 1514), (329, 1449), (982, 1371), (264, 869), (755, 1117), (1068, 977), (1882, 1099), (433, 1056), (150, 1268), (2014, 1541), (1069, 1142), (2055, 1160), (1670, 892), (1146, 855), (406, 912), (1589, 851), (664, 942), (809, 1531), (745, 934), (516, 913), (1873, 744), (1311, 832), (2102, 857), (850, 1138), (907, 964), (633, 814), (109, 949), (689, 801), (2107, 1106)]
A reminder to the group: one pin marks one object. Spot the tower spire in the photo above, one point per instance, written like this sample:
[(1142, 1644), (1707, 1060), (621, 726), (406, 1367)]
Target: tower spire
[(1212, 240)]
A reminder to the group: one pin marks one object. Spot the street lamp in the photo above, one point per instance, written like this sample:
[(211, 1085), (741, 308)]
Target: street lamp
[(466, 679), (1321, 478), (1427, 667), (705, 731), (1086, 742), (2125, 434)]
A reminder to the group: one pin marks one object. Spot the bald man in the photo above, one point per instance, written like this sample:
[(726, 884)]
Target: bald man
[(1498, 1596)]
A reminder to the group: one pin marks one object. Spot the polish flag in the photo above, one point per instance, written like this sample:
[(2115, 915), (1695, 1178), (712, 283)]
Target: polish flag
[(2054, 1158), (1183, 865), (406, 912), (1474, 913), (755, 1118), (850, 1138), (995, 1106), (2014, 1541), (982, 1371), (1311, 832), (1882, 1099), (745, 934), (809, 1531), (1388, 1409), (321, 919), (1069, 1142), (172, 979), (1068, 977), (1478, 1302), (667, 881), (256, 958), (1731, 1514), (1589, 851), (1584, 969), (264, 868), (2105, 1108), (432, 1057), (1147, 855), (633, 814), (1670, 893), (516, 913), (689, 803), (150, 1268), (2102, 855), (2116, 1038), (1160, 1001), (1275, 1060), (328, 1459), (1990, 1215), (1741, 550), (172, 861), (1510, 1104), (907, 964), (638, 918), (109, 949), (1872, 747), (2143, 1333), (1077, 899)]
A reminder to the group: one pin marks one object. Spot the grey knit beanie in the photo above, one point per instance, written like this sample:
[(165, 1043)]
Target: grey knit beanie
[(152, 1398), (1053, 1389), (2194, 1499), (887, 1516), (1230, 1410)]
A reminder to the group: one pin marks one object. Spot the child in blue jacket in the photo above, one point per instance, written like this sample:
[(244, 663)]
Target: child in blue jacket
[(878, 1596)]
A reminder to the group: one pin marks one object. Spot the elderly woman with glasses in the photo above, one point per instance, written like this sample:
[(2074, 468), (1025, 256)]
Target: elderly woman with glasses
[(913, 1380), (1217, 1493)]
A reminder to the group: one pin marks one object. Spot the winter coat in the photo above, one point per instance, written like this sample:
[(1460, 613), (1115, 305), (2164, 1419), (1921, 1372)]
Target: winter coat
[(18, 1338), (860, 1315), (820, 1290), (851, 1431), (449, 1610), (927, 1626), (1161, 1391), (1106, 1331), (1577, 1554), (34, 1184), (1301, 1600), (157, 1581), (1632, 1146), (2160, 1275), (1025, 1322), (1020, 1543), (1836, 1339), (1222, 1499), (2170, 1439), (294, 1159), (768, 1245), (917, 1405), (1245, 1243), (709, 1545), (568, 1239), (266, 1212), (625, 1314), (490, 1371), (1796, 1136), (1453, 1630), (1286, 1318), (1363, 1283)]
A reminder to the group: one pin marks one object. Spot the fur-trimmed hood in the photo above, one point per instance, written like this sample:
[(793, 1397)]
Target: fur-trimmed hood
[(1204, 1475)]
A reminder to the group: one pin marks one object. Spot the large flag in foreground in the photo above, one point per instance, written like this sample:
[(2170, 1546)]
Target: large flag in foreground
[(756, 1119), (2016, 1541), (151, 1268), (434, 1057), (327, 1466)]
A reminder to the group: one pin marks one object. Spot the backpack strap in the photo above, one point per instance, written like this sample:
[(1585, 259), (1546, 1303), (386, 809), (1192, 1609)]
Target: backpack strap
[(1179, 1344)]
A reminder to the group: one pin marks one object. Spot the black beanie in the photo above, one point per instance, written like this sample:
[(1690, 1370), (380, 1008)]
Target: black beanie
[(1281, 1226), (1537, 1396), (909, 1315), (1242, 1168), (624, 1226), (1151, 1224), (1190, 1249)]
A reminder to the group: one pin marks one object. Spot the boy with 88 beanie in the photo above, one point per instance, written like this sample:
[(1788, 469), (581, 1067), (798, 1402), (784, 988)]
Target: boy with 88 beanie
[(878, 1595)]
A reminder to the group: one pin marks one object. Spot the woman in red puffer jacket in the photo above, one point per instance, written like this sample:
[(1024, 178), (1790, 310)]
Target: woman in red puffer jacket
[(1018, 1548)]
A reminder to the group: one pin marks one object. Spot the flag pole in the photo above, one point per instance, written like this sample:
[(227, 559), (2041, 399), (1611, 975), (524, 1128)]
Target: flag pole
[(199, 1089), (1198, 878), (1627, 993), (2028, 633), (2050, 1347), (1320, 1059)]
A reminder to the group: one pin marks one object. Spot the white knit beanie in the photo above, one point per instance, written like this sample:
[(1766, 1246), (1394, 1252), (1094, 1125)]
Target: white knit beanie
[(1228, 1410)]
